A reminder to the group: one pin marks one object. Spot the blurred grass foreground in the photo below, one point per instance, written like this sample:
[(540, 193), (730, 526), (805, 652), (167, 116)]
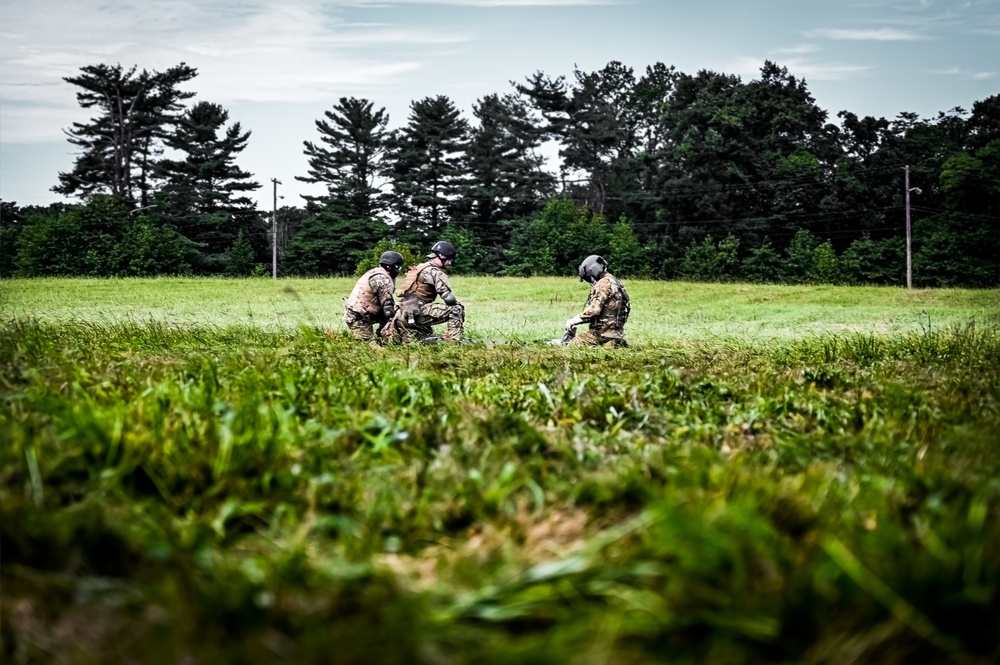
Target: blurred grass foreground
[(769, 474)]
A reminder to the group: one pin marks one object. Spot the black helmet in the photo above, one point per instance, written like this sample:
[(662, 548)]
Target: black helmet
[(392, 262), (593, 268), (391, 259), (444, 249)]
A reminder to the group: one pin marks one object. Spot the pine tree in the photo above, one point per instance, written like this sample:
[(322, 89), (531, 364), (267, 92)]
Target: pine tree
[(135, 111), (505, 175), (204, 194), (424, 168), (347, 161)]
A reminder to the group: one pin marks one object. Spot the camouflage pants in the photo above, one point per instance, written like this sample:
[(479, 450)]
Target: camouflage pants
[(400, 331), (360, 326), (592, 338)]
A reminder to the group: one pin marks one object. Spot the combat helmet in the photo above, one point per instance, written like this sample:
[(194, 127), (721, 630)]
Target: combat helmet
[(391, 261), (593, 268), (444, 249)]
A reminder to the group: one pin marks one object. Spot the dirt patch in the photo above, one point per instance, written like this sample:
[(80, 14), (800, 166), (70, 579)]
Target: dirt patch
[(526, 539)]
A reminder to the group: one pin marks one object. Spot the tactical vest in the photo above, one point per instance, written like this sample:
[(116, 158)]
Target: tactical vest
[(413, 287), (611, 321), (362, 298)]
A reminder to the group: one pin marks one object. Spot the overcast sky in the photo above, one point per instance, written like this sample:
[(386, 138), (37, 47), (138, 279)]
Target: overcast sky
[(277, 65)]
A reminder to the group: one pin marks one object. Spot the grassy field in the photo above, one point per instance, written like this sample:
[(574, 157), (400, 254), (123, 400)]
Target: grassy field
[(198, 471), (513, 309)]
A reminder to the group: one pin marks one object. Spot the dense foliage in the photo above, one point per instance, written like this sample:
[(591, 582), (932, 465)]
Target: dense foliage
[(701, 176), (227, 494)]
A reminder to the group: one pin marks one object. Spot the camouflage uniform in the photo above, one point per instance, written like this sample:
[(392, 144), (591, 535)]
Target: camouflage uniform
[(607, 310), (369, 303), (417, 310)]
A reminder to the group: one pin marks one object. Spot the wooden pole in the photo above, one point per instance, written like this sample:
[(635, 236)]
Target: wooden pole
[(909, 251)]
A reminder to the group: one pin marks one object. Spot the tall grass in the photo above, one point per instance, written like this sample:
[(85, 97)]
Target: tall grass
[(255, 493)]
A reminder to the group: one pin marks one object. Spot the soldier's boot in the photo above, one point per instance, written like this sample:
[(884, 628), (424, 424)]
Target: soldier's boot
[(390, 333), (456, 324)]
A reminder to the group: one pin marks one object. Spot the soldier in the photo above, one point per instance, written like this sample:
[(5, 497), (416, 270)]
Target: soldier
[(606, 311), (417, 311), (371, 300)]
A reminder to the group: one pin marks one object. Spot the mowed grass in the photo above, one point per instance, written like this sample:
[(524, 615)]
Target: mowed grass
[(211, 471), (501, 309)]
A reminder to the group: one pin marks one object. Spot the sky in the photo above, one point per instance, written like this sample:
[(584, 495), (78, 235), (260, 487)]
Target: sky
[(278, 65)]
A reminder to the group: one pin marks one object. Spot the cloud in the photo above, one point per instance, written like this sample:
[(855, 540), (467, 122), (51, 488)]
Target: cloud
[(749, 68), (870, 35), (800, 49), (258, 50), (486, 3), (965, 74)]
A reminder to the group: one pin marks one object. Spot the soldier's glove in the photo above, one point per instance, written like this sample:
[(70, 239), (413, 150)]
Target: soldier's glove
[(573, 323)]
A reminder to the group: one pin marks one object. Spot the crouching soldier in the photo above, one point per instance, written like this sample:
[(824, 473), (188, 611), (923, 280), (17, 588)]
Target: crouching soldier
[(371, 300), (418, 311), (606, 311)]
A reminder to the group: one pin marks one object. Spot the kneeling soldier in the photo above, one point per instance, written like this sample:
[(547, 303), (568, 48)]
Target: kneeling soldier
[(371, 300), (417, 311), (607, 307)]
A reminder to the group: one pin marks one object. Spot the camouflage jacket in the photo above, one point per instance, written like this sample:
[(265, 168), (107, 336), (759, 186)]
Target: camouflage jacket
[(607, 307), (425, 281), (372, 295)]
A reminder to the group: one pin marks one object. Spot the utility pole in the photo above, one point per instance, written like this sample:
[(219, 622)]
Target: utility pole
[(909, 255), (909, 250), (274, 229)]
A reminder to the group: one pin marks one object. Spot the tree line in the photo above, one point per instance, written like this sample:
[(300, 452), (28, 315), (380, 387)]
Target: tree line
[(667, 174)]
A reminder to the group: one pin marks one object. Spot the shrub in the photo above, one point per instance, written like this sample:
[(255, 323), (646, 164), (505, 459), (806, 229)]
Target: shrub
[(763, 264), (800, 256), (411, 257), (825, 267)]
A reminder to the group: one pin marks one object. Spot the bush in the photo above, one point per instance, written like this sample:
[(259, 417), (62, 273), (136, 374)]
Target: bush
[(701, 261), (800, 256), (327, 244), (825, 267), (472, 256), (147, 250), (410, 256), (727, 260), (867, 261), (627, 256), (241, 257), (49, 245), (556, 240), (79, 241), (763, 265)]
